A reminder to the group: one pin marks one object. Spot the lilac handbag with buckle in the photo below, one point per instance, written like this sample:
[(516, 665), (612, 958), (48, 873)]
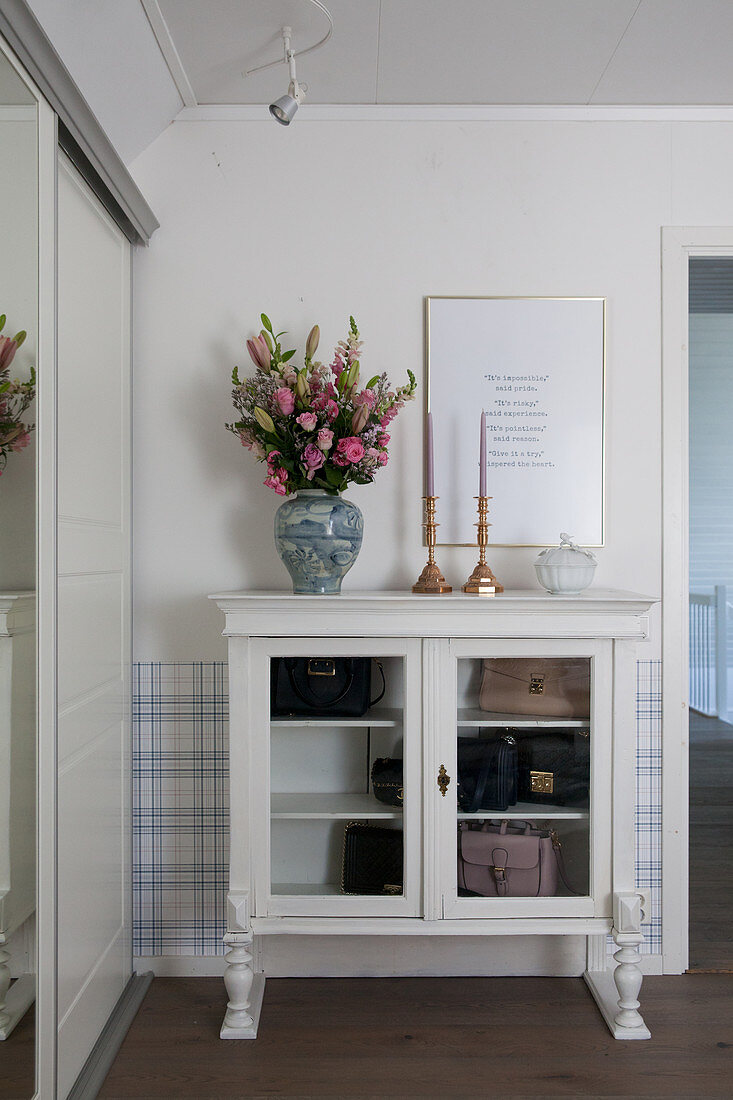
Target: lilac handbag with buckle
[(503, 860)]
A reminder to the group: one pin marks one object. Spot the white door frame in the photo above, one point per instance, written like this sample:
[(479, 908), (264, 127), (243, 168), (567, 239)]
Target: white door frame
[(678, 244)]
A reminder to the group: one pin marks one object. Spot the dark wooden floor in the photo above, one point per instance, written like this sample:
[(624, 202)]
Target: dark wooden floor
[(711, 844), (456, 1038), (17, 1060)]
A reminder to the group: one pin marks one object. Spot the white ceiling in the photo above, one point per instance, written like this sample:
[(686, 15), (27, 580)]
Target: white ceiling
[(461, 51), (543, 52)]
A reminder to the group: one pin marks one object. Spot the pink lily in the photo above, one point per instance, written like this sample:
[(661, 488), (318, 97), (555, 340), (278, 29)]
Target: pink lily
[(259, 353)]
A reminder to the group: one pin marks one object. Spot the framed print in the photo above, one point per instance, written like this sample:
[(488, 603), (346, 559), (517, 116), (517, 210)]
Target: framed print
[(536, 366)]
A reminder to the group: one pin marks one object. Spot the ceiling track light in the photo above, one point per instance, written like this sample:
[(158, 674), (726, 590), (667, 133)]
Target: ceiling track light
[(283, 109)]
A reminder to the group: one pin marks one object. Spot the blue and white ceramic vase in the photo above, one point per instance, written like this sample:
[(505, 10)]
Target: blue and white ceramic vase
[(318, 537)]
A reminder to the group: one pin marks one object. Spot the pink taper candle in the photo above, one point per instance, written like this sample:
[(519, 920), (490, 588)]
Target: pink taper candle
[(430, 479), (482, 458)]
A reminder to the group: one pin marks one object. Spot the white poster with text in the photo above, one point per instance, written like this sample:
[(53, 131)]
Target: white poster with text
[(536, 366)]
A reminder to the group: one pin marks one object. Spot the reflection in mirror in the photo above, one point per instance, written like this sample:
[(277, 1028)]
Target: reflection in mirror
[(18, 313)]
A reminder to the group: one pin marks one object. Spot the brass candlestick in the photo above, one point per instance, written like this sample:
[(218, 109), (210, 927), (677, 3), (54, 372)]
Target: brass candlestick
[(482, 581), (431, 581)]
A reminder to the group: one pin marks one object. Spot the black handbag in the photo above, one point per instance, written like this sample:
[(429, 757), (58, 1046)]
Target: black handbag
[(372, 860), (554, 767), (329, 687), (487, 773), (387, 783)]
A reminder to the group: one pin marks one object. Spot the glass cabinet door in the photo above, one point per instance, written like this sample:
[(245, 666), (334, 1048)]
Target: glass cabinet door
[(341, 750), (530, 730)]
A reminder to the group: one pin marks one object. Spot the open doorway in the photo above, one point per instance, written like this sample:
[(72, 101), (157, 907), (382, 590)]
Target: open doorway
[(711, 611)]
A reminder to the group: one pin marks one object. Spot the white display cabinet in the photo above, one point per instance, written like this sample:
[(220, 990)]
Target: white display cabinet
[(298, 782)]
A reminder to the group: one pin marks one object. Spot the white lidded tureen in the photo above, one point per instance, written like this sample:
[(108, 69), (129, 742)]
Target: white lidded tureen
[(566, 569)]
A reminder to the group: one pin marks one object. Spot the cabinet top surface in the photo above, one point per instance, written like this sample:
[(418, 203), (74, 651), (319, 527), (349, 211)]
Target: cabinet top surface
[(536, 599), (596, 613)]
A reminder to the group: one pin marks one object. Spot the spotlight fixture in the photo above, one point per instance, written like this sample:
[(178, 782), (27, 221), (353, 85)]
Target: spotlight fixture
[(283, 109)]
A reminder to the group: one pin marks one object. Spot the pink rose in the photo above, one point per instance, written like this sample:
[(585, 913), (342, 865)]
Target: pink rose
[(383, 439), (331, 410), (271, 460), (313, 458), (277, 480), (383, 458), (348, 450), (324, 439), (307, 421), (285, 400)]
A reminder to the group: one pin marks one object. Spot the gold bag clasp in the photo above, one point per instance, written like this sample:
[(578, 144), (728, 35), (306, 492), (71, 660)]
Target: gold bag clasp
[(542, 782), (536, 685)]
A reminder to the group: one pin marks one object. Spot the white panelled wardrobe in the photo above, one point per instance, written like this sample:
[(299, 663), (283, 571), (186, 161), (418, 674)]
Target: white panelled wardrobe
[(94, 919)]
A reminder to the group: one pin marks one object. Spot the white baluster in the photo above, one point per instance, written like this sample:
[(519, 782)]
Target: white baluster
[(238, 978), (628, 978)]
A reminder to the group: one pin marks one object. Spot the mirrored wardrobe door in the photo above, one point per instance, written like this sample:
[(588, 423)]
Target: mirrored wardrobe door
[(19, 343)]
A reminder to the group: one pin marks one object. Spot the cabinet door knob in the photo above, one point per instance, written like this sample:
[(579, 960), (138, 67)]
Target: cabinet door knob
[(443, 780)]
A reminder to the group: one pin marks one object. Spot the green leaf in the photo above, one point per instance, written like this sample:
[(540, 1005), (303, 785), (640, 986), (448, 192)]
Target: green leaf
[(287, 355), (20, 337), (266, 322), (333, 476), (372, 382), (2, 322), (235, 377), (342, 381)]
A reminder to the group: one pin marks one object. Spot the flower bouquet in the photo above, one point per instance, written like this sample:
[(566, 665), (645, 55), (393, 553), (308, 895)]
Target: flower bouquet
[(15, 397), (316, 427)]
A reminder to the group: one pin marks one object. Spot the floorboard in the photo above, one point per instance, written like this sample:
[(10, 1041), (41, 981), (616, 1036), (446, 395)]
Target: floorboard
[(456, 1038), (711, 844), (18, 1060)]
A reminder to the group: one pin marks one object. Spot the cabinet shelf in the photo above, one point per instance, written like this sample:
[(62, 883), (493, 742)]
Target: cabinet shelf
[(307, 889), (474, 716), (386, 717), (340, 805), (525, 810)]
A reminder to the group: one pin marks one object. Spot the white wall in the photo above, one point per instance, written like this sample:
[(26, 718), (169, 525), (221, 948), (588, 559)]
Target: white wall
[(324, 219)]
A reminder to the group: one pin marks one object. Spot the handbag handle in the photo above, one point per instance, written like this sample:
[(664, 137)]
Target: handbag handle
[(309, 698), (373, 702)]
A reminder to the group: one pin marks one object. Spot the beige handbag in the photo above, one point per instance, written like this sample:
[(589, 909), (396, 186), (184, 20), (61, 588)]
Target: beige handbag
[(556, 687)]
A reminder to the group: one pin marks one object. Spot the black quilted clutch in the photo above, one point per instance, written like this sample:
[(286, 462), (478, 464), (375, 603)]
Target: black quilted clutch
[(372, 860), (554, 766)]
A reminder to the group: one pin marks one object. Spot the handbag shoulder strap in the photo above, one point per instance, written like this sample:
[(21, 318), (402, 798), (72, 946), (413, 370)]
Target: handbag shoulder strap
[(557, 846), (373, 702)]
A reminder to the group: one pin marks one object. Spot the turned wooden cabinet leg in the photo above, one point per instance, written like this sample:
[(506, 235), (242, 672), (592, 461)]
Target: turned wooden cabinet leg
[(245, 991), (628, 978), (4, 986), (238, 978)]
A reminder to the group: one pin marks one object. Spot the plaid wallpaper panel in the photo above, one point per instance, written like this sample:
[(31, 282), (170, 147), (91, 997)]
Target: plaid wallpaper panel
[(180, 805)]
